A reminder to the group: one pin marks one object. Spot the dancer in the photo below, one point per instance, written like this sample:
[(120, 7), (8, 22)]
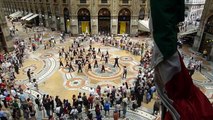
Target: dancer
[(116, 62), (102, 56), (79, 66), (96, 64), (106, 59), (67, 64), (29, 75), (103, 69), (125, 72), (89, 67), (61, 63), (99, 50)]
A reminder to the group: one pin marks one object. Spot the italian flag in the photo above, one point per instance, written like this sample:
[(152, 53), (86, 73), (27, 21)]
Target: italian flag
[(183, 100)]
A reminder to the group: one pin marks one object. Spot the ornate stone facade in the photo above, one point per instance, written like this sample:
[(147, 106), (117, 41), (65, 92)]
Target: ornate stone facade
[(4, 31), (204, 38), (80, 16)]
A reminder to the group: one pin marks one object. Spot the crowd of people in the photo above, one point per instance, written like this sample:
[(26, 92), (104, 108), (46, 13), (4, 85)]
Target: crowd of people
[(14, 98)]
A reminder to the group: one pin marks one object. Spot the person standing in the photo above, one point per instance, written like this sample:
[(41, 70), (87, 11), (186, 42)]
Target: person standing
[(16, 67), (79, 66), (156, 107), (124, 106), (125, 72), (106, 107), (61, 63), (89, 67), (96, 64), (116, 62), (38, 102), (106, 58), (102, 69), (99, 50), (102, 56), (29, 75)]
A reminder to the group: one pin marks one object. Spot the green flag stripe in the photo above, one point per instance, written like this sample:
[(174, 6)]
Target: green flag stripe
[(166, 14)]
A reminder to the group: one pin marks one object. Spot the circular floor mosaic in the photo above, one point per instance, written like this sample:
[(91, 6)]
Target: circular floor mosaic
[(46, 55), (126, 58), (110, 71), (75, 83)]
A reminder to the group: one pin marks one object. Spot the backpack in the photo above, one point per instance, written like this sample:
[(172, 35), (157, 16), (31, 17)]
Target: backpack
[(106, 106), (79, 109), (124, 104)]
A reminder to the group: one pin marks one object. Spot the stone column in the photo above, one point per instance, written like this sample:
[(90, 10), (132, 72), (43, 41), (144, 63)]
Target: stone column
[(134, 25), (196, 43), (62, 24), (211, 54), (54, 22), (114, 25), (94, 25), (46, 20), (74, 25)]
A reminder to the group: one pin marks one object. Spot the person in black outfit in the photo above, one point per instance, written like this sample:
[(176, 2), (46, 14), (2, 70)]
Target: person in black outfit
[(124, 72), (103, 69), (96, 64), (116, 62), (29, 75), (89, 67), (79, 66), (61, 63), (52, 103), (106, 59), (99, 50), (16, 68), (102, 56)]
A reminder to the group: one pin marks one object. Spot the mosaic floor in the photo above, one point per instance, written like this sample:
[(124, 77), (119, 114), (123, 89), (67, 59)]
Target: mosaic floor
[(45, 66)]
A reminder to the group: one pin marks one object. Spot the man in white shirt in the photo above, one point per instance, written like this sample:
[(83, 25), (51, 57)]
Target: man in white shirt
[(13, 92), (91, 91)]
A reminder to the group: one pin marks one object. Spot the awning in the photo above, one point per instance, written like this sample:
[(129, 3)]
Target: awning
[(143, 25), (19, 15), (191, 31), (30, 18), (28, 15), (16, 13)]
